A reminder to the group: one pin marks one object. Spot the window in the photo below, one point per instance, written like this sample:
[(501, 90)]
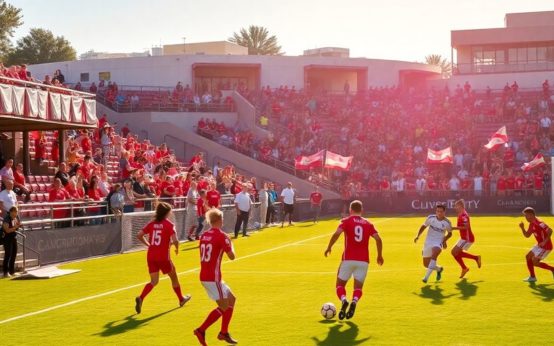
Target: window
[(550, 54), (500, 57), (104, 76), (522, 55), (512, 55), (541, 54), (532, 54), (84, 77)]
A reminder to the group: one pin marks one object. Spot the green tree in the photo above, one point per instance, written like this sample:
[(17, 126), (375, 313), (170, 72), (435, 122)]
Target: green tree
[(438, 60), (41, 46), (10, 19), (257, 40)]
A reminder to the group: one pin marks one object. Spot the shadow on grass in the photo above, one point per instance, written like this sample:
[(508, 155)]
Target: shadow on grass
[(128, 323), (467, 289), (434, 294), (339, 336), (543, 291)]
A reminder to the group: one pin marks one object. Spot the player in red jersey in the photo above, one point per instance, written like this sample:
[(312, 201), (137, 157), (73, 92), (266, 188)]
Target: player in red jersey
[(539, 252), (161, 234), (315, 200), (467, 238), (355, 258), (213, 243)]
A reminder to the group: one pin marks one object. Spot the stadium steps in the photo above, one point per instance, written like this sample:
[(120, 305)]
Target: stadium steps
[(31, 263)]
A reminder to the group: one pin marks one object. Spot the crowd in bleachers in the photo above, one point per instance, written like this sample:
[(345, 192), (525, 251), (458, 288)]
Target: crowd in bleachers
[(20, 72), (388, 131)]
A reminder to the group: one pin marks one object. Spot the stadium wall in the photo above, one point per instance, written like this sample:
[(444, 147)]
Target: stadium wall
[(167, 70), (525, 80)]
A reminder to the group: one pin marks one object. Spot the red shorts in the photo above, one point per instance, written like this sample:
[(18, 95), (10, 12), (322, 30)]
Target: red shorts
[(154, 266)]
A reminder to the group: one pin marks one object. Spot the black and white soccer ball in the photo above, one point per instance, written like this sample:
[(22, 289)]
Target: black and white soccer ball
[(328, 311)]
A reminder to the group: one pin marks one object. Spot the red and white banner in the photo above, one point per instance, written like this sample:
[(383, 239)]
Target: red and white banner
[(337, 161), (439, 156), (66, 107), (55, 106), (18, 100), (77, 109), (90, 111), (307, 162), (498, 139), (6, 96), (536, 162)]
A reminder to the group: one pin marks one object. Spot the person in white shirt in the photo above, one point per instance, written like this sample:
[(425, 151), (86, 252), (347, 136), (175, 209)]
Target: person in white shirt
[(6, 173), (478, 185), (421, 185), (288, 197), (243, 203), (454, 183), (8, 198), (440, 230)]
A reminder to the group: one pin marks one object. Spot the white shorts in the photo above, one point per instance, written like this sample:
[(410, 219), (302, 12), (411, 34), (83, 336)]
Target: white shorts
[(539, 252), (348, 268), (216, 290), (464, 244), (428, 249)]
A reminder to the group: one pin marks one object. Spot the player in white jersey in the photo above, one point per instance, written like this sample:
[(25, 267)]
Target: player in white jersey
[(440, 230)]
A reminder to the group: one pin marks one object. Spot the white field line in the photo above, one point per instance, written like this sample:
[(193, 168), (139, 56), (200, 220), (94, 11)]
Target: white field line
[(84, 299)]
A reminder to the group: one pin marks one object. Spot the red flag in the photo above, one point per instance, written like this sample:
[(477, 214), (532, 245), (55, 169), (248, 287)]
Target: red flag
[(536, 162), (337, 161), (498, 139), (307, 162), (439, 156)]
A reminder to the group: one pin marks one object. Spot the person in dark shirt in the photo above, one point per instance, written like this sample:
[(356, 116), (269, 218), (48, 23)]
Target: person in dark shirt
[(10, 224)]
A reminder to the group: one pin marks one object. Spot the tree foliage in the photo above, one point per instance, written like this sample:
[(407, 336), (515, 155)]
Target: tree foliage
[(257, 40), (10, 19), (438, 60), (41, 46)]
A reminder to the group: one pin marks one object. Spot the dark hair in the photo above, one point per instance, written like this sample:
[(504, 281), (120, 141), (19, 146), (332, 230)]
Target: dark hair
[(356, 206), (162, 210), (441, 206)]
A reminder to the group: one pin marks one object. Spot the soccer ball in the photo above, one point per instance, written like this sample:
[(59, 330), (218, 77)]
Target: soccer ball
[(257, 225), (328, 310)]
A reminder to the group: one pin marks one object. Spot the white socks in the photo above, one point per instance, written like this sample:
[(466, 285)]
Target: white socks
[(432, 266)]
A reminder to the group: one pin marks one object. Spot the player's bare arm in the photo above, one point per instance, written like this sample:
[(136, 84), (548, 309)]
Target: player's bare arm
[(461, 228), (526, 233), (332, 241), (448, 236), (175, 242), (379, 244), (140, 237), (421, 229)]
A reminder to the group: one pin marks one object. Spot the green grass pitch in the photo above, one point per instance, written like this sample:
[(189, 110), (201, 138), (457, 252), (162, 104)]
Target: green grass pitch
[(281, 279)]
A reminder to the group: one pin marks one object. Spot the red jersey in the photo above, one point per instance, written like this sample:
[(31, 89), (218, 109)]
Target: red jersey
[(200, 207), (465, 234), (160, 239), (316, 198), (540, 231), (213, 198), (357, 232), (213, 243)]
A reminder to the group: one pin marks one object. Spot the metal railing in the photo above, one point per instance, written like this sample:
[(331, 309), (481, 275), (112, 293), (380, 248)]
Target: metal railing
[(61, 90), (470, 68), (25, 248)]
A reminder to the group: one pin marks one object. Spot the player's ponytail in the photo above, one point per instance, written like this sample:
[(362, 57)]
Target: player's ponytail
[(162, 210)]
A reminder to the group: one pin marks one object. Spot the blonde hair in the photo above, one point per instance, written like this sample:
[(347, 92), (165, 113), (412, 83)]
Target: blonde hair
[(460, 202), (214, 215)]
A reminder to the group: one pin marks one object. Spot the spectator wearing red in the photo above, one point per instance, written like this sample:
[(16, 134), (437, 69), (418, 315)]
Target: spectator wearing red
[(40, 147), (94, 194), (125, 130), (59, 194), (315, 201), (19, 183), (213, 197), (201, 208)]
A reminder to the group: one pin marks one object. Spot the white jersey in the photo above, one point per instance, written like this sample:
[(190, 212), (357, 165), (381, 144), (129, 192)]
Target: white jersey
[(437, 230)]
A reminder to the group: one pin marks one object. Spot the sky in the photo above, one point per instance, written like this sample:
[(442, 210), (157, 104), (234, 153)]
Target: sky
[(387, 29)]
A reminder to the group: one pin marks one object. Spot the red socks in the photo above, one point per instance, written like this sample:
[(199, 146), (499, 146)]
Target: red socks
[(467, 255), (545, 266), (226, 319), (341, 292), (147, 288), (211, 319), (460, 261), (177, 290), (356, 295), (531, 267)]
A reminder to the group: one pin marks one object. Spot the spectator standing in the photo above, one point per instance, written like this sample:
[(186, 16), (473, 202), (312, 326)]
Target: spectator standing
[(264, 202), (191, 217), (316, 199), (243, 205), (8, 198), (288, 197), (271, 200), (201, 208), (10, 224)]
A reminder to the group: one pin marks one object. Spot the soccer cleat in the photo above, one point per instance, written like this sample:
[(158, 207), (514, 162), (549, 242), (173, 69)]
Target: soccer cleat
[(342, 312), (439, 273), (479, 261), (351, 311), (424, 280), (227, 338), (464, 272), (201, 336), (530, 279), (184, 300), (138, 305)]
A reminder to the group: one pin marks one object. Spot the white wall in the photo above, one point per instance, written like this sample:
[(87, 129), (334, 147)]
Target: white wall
[(498, 80), (167, 70)]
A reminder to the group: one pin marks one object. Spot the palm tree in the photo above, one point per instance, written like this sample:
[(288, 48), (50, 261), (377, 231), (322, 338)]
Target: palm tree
[(257, 40), (438, 60)]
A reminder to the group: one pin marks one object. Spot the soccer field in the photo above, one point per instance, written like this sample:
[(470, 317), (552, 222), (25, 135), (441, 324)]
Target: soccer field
[(281, 279)]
